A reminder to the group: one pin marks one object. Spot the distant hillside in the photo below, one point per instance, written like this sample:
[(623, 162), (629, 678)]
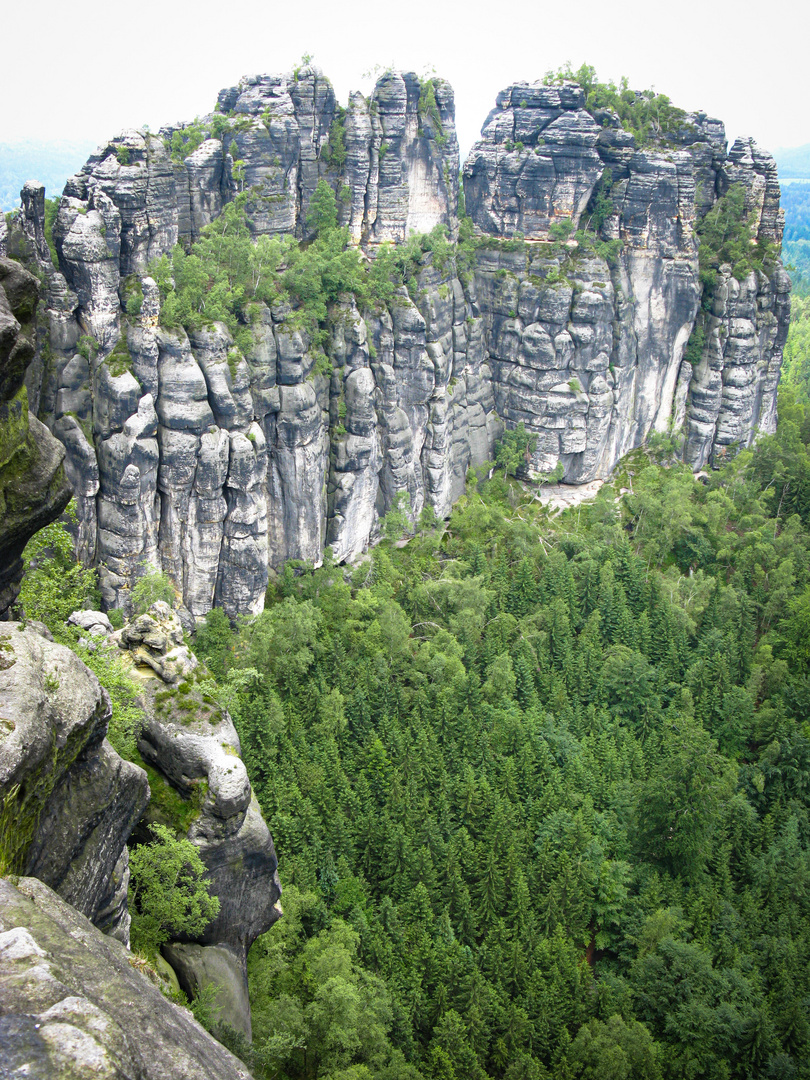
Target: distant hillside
[(49, 162), (794, 162), (796, 245)]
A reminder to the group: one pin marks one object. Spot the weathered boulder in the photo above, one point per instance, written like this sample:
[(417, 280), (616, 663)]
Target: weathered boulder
[(74, 800), (95, 623), (74, 1006), (155, 639)]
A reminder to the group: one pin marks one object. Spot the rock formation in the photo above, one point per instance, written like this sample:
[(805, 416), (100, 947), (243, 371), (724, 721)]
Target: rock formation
[(217, 464), (74, 1006), (69, 801), (193, 746), (33, 486), (69, 804)]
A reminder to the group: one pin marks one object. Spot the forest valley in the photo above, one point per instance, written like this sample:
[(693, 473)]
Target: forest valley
[(539, 785)]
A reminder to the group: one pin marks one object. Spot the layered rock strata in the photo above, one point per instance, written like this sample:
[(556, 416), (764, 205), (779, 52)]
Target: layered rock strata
[(217, 465)]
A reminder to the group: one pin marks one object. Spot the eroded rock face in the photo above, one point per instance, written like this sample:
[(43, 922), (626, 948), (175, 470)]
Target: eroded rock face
[(218, 466), (73, 1005), (193, 744), (75, 800), (33, 486), (200, 966), (537, 161)]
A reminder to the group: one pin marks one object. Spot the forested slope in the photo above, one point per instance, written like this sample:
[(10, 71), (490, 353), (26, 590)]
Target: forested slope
[(541, 787), (539, 784)]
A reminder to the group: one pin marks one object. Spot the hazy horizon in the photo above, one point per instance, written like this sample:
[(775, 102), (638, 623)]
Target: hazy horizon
[(90, 76)]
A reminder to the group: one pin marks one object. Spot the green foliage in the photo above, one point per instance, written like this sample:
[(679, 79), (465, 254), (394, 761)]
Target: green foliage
[(169, 891), (51, 210), (213, 643), (726, 236), (333, 153), (397, 522), (322, 214), (614, 1050), (651, 117), (601, 205), (151, 587), (187, 139), (122, 153), (513, 450), (119, 360), (226, 275), (317, 1011), (796, 364), (204, 1007), (54, 583), (87, 346), (430, 121), (126, 719), (133, 295)]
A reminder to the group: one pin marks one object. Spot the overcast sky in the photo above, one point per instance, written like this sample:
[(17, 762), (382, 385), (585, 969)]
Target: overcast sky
[(85, 71)]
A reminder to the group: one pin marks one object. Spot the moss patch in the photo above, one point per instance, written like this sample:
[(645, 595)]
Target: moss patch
[(13, 425), (167, 806)]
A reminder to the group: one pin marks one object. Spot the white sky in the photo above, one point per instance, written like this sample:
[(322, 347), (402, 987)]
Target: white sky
[(76, 71)]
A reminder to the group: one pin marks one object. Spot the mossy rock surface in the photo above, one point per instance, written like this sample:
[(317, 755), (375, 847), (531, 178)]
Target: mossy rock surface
[(74, 1003)]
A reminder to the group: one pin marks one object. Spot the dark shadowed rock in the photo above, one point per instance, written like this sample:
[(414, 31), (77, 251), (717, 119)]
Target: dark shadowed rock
[(33, 487), (75, 800)]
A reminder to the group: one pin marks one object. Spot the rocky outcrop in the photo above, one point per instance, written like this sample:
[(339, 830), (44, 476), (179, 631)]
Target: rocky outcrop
[(218, 464), (537, 161), (74, 1006), (33, 487), (732, 384), (192, 744), (69, 801), (597, 361)]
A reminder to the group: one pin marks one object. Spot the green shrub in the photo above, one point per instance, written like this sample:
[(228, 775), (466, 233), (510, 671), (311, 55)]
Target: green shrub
[(169, 890), (54, 584), (153, 586)]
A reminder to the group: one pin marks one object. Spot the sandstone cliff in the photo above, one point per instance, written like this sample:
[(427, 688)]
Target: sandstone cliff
[(33, 486), (69, 801), (217, 464), (69, 805), (74, 1006)]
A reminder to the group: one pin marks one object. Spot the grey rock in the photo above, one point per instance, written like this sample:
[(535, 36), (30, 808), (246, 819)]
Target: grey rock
[(217, 467), (199, 966), (194, 745), (76, 801), (537, 162), (73, 1003), (95, 623), (155, 640)]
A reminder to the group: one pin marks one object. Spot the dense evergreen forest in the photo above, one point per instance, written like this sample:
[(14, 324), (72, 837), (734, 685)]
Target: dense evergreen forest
[(539, 784), (796, 245)]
